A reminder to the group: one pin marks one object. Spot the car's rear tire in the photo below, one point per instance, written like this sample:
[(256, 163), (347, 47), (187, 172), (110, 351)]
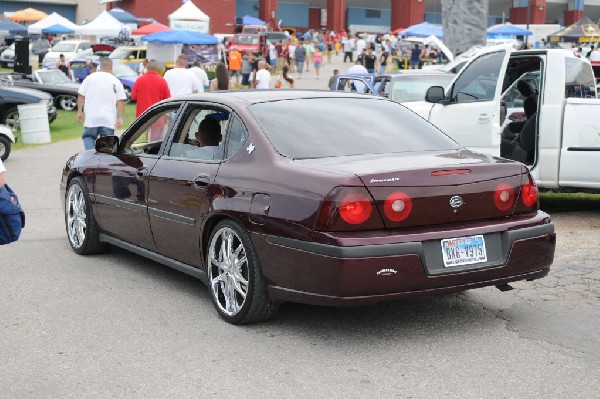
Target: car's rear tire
[(235, 281), (10, 117), (5, 145), (82, 230), (68, 103)]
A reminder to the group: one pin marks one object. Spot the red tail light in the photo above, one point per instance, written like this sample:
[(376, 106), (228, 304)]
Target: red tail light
[(504, 197), (529, 194), (397, 206), (355, 208), (349, 209)]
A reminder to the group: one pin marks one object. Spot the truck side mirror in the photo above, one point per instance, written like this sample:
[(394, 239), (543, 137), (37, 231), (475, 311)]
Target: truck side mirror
[(435, 94)]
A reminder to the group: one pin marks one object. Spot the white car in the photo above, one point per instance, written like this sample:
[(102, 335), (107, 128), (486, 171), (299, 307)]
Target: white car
[(70, 49)]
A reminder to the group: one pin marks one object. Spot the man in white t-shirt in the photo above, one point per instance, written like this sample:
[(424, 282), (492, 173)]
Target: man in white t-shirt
[(201, 76), (2, 174), (361, 44), (181, 80), (102, 99), (358, 69), (263, 77)]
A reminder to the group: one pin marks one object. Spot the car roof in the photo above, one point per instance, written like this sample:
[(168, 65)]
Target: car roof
[(262, 96), (132, 47)]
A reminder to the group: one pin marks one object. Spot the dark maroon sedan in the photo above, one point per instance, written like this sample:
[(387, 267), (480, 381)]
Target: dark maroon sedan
[(316, 197)]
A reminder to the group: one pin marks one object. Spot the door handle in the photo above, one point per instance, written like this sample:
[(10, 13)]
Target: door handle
[(484, 118), (201, 180), (141, 173)]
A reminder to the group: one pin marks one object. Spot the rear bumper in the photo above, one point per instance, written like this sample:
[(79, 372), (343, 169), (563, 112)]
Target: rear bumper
[(321, 274)]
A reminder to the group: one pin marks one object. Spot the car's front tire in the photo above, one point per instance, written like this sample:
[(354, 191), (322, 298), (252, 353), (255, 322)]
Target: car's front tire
[(82, 230), (235, 282), (10, 117), (68, 103), (5, 145)]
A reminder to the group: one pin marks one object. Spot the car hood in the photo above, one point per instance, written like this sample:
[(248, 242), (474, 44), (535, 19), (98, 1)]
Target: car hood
[(24, 91)]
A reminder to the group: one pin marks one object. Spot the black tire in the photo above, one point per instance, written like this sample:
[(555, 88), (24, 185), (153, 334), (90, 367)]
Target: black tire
[(5, 145), (86, 240), (256, 305), (10, 117)]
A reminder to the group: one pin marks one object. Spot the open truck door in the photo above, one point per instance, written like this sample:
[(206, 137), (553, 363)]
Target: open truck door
[(469, 111)]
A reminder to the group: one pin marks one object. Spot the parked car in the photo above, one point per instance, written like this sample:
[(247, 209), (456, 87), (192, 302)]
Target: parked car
[(124, 73), (285, 206), (7, 138), (37, 47), (70, 49), (407, 87), (129, 55), (11, 97), (51, 81)]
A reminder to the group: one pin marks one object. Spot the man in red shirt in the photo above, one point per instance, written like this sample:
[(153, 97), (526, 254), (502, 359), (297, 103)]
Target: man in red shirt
[(149, 89)]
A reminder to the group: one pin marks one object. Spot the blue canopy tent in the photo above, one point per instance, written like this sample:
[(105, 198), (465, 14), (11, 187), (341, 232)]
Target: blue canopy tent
[(248, 20), (123, 16), (180, 37), (57, 29), (424, 29), (12, 27), (507, 31)]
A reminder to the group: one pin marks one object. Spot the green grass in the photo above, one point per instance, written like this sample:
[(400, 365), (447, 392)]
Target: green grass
[(569, 202), (66, 127)]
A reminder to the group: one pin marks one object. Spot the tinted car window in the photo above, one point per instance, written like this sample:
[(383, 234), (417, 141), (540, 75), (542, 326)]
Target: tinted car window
[(479, 81), (306, 128), (579, 79), (236, 137)]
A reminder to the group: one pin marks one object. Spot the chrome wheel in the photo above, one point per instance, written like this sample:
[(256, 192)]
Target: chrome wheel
[(68, 103), (228, 271), (76, 216), (12, 120)]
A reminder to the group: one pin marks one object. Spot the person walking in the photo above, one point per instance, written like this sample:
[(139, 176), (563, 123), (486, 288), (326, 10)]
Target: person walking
[(318, 61), (181, 80), (247, 68), (221, 80), (383, 60), (415, 57), (369, 60), (263, 77), (100, 104), (234, 59), (201, 76), (149, 89), (299, 57), (348, 49)]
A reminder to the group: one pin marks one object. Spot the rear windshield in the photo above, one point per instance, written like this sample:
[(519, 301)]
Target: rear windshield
[(328, 127)]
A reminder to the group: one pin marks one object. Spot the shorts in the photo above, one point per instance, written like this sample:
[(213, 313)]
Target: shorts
[(234, 72), (414, 62), (273, 62), (317, 65)]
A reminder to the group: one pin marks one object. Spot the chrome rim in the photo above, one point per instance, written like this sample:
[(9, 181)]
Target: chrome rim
[(228, 271), (12, 120), (2, 150), (76, 226), (68, 103)]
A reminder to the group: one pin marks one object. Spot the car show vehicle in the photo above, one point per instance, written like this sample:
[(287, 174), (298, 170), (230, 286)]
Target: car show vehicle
[(249, 42), (11, 97), (282, 206), (129, 55), (559, 142), (37, 47), (70, 49), (7, 138), (51, 81)]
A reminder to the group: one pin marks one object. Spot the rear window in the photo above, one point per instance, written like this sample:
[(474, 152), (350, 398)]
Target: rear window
[(579, 80), (328, 127)]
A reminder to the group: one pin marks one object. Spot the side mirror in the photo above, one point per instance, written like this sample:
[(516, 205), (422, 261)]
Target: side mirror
[(107, 144), (435, 94)]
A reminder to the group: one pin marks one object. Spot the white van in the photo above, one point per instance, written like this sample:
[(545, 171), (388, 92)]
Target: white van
[(70, 49)]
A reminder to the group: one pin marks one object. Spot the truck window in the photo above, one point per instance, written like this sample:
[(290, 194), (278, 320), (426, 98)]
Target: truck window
[(479, 80), (579, 79)]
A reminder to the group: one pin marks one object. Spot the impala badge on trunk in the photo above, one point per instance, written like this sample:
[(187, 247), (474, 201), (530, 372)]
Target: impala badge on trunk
[(387, 272)]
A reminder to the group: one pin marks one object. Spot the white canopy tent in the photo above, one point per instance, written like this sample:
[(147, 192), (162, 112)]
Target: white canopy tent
[(52, 19), (189, 17), (104, 25)]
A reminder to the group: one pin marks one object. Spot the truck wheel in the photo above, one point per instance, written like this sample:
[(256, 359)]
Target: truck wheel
[(68, 103), (10, 117), (4, 148)]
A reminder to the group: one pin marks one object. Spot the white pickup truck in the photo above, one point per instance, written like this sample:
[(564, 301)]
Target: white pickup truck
[(559, 142)]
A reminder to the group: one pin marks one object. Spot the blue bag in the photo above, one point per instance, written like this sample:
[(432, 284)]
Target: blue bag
[(12, 217)]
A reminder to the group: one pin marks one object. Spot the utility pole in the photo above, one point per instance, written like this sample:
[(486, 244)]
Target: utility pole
[(528, 18)]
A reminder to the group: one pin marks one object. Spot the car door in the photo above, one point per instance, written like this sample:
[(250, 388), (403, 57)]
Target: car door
[(182, 184), (121, 183), (471, 112)]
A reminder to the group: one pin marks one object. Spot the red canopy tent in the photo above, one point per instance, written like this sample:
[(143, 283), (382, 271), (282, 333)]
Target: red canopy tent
[(150, 28)]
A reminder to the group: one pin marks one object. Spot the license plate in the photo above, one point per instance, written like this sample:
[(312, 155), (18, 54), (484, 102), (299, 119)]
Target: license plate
[(463, 251)]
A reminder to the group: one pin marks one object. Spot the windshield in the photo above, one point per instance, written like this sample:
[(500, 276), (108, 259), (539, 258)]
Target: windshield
[(413, 88), (364, 126), (64, 48), (120, 70), (52, 76), (245, 39), (122, 54)]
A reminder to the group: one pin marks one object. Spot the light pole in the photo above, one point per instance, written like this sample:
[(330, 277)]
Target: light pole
[(528, 17)]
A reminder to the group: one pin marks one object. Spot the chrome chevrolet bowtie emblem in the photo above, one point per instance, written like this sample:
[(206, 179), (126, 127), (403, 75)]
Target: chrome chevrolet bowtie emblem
[(456, 202)]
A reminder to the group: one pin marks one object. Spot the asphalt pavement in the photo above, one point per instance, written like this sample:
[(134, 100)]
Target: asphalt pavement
[(118, 325)]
